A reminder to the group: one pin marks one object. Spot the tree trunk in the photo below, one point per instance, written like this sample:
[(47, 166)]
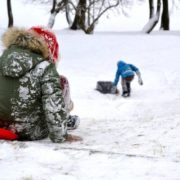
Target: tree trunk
[(75, 23), (56, 7), (53, 6), (80, 17), (165, 16), (53, 15), (154, 20), (10, 15), (52, 20), (151, 8)]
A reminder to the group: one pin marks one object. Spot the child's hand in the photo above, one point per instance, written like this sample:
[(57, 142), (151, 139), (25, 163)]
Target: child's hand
[(140, 81), (117, 92), (73, 138), (113, 89)]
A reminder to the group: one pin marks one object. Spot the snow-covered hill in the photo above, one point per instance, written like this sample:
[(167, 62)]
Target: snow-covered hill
[(135, 138)]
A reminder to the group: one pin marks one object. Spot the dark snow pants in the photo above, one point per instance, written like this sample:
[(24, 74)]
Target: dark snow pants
[(126, 85)]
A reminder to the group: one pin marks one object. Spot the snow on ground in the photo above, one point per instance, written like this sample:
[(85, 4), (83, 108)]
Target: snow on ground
[(135, 138), (136, 125)]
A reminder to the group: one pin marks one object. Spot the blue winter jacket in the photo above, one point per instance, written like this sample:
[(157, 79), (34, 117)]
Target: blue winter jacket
[(124, 70)]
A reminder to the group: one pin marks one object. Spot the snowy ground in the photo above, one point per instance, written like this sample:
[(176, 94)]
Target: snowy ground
[(135, 138), (130, 139)]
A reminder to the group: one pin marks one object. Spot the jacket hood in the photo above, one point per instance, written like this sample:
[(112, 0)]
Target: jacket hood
[(121, 63), (25, 49), (26, 39)]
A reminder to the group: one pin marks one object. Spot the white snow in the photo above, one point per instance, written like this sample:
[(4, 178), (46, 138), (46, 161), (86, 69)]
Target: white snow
[(134, 138)]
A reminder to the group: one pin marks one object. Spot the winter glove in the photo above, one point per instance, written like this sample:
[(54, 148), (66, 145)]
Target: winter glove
[(113, 89), (139, 78), (140, 81)]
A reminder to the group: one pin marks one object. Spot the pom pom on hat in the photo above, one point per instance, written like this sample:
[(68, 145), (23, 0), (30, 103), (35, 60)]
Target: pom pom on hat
[(50, 40)]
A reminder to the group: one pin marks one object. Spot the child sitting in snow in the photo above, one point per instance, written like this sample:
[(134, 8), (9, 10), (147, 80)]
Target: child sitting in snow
[(126, 71), (32, 105)]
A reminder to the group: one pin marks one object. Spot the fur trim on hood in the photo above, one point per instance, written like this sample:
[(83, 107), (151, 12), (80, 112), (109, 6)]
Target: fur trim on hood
[(26, 39)]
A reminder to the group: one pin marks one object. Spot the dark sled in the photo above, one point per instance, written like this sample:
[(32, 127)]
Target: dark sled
[(106, 87)]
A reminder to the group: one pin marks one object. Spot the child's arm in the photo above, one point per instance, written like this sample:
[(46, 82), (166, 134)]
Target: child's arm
[(133, 67), (116, 80), (136, 70), (140, 81)]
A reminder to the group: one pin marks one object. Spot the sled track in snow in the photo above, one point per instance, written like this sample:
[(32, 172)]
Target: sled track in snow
[(94, 151)]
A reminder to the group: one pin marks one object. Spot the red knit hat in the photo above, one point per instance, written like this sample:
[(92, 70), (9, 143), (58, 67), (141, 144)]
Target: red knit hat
[(51, 41)]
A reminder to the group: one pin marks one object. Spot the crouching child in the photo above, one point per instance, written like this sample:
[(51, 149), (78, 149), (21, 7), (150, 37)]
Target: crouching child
[(127, 73)]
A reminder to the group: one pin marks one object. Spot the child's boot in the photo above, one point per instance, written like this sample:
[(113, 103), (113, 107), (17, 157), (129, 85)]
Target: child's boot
[(73, 122)]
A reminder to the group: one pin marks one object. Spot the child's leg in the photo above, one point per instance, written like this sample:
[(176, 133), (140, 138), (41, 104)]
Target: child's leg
[(128, 84), (66, 93), (73, 120), (124, 86)]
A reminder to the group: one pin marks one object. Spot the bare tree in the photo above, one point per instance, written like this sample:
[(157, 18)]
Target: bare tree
[(88, 13), (10, 15), (81, 14)]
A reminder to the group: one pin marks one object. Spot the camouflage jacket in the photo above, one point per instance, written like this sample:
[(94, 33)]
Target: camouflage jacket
[(31, 102)]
